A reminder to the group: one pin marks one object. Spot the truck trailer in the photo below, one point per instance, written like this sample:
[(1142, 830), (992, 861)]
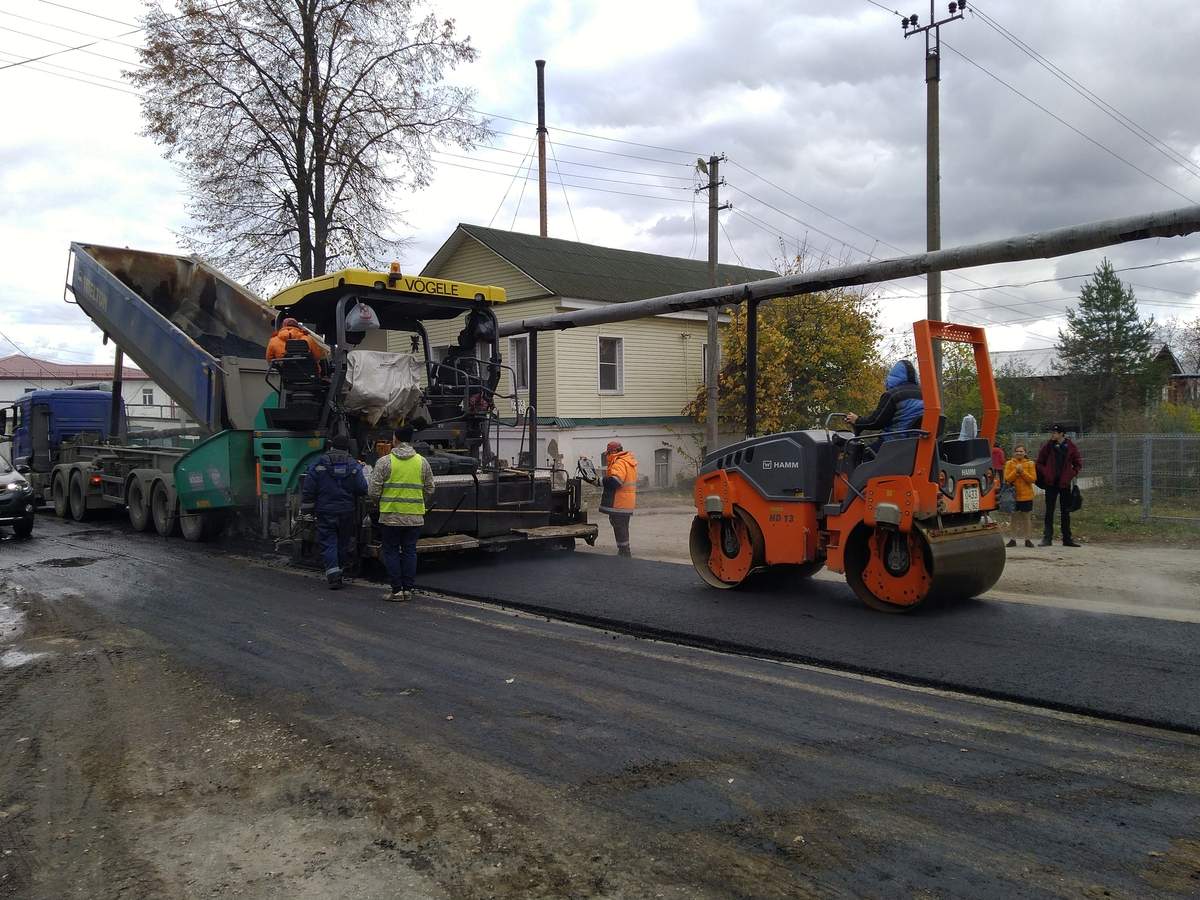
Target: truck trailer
[(203, 338)]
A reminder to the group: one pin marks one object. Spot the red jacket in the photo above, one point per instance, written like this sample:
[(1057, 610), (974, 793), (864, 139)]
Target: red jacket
[(1049, 473)]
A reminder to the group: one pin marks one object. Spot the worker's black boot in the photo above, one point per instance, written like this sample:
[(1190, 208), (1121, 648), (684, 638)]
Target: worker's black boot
[(624, 551), (335, 581)]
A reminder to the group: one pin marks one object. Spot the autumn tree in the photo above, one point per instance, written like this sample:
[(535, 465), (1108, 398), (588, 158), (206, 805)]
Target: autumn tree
[(1106, 344), (816, 355), (296, 123)]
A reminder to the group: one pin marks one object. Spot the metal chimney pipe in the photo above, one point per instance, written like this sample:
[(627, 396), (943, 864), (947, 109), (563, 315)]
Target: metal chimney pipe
[(541, 136)]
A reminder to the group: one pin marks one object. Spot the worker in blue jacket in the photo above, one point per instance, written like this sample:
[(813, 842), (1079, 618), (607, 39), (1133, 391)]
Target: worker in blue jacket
[(331, 489), (900, 407)]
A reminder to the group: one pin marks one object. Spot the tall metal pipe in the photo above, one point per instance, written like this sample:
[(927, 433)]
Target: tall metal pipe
[(541, 137), (1038, 245)]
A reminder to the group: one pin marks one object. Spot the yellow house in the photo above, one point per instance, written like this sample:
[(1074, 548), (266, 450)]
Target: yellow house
[(627, 381)]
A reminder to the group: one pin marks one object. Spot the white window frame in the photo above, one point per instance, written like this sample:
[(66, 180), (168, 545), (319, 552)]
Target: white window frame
[(620, 389), (521, 341), (704, 362), (147, 396)]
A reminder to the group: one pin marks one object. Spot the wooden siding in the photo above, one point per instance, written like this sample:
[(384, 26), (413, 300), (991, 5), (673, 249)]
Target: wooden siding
[(477, 264), (662, 368)]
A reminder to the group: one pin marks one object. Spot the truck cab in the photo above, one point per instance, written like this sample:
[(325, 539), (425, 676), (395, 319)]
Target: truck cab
[(38, 423)]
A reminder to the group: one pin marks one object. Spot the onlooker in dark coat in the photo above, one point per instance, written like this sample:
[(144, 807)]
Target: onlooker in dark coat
[(331, 491), (1058, 463)]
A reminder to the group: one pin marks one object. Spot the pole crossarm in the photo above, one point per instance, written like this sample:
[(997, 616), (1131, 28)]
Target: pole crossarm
[(1037, 245)]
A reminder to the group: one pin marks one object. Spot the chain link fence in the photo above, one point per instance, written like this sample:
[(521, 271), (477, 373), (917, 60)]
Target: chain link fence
[(1161, 472)]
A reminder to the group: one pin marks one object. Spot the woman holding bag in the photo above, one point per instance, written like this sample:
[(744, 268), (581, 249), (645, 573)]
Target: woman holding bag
[(1021, 473)]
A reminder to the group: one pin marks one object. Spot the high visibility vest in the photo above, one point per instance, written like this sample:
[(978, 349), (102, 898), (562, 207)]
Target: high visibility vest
[(623, 466), (403, 492)]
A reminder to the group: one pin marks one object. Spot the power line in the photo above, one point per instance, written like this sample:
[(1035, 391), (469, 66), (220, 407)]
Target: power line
[(1062, 121), (554, 156), (1024, 284), (586, 134), (665, 187), (508, 189), (85, 12), (98, 40), (73, 78), (45, 65), (585, 187), (70, 30), (729, 241), (661, 162), (572, 162), (1090, 96), (80, 48)]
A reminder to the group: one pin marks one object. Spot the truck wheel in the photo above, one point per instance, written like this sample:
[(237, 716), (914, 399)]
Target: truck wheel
[(201, 526), (164, 512), (139, 505), (58, 491), (77, 496)]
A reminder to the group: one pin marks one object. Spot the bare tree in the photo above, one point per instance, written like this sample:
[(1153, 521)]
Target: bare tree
[(297, 122)]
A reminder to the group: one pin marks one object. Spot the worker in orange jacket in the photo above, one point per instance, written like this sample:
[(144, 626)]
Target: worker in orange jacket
[(291, 330), (1021, 473), (620, 493)]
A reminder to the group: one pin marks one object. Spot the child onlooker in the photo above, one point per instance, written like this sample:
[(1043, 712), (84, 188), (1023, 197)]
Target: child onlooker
[(1021, 473)]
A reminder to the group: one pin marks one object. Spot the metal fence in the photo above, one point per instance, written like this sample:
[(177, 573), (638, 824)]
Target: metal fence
[(1159, 472)]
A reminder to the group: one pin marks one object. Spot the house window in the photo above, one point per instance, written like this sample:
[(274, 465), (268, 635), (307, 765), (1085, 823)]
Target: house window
[(662, 467), (518, 355), (612, 365), (147, 396), (704, 363)]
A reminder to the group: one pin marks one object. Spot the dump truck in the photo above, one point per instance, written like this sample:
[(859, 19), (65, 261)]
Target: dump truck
[(904, 517), (203, 338)]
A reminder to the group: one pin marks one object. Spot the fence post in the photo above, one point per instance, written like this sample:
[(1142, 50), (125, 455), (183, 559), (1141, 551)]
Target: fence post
[(1116, 489), (1147, 457)]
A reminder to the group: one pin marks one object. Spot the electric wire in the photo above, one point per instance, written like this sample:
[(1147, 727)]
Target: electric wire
[(508, 189), (1140, 132), (554, 157)]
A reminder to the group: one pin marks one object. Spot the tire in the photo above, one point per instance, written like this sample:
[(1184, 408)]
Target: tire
[(138, 504), (58, 491), (77, 497), (163, 511), (23, 529), (201, 526)]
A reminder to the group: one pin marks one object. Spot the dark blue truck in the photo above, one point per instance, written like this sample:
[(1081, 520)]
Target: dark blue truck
[(38, 423)]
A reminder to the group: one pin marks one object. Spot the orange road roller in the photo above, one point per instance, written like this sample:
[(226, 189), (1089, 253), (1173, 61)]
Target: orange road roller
[(905, 519)]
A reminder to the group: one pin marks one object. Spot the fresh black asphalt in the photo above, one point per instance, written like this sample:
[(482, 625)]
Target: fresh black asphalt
[(784, 780), (1121, 667)]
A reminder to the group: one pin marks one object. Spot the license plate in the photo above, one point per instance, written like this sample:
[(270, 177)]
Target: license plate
[(970, 499)]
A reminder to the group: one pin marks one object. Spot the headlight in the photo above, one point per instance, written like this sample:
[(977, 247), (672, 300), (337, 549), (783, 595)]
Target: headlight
[(15, 486)]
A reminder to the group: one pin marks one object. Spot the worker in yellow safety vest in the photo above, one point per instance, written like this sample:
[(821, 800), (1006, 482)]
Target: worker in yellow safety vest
[(402, 484), (620, 493)]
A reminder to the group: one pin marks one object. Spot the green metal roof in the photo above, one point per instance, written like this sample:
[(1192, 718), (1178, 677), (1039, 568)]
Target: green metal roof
[(588, 272)]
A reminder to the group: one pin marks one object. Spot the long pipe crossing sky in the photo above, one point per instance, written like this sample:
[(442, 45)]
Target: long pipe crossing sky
[(1038, 245)]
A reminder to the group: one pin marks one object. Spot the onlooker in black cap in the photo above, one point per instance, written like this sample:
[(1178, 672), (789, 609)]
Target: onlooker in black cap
[(1058, 462)]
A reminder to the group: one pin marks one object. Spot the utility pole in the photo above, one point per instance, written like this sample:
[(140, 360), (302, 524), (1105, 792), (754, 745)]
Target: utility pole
[(933, 169), (713, 368), (541, 136)]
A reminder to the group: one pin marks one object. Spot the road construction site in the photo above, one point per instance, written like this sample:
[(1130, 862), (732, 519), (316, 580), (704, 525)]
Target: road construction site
[(185, 720)]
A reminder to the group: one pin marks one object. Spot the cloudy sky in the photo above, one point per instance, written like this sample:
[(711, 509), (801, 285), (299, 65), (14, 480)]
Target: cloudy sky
[(819, 107)]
